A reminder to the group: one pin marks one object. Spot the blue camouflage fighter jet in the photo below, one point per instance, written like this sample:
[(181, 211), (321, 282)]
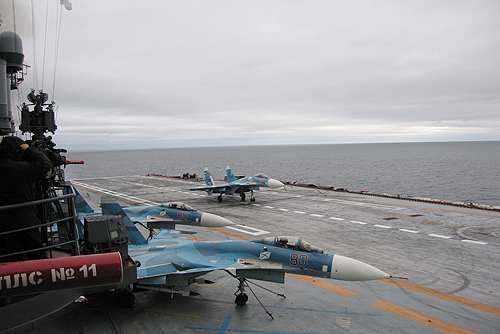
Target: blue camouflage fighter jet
[(170, 261), (239, 186), (164, 215)]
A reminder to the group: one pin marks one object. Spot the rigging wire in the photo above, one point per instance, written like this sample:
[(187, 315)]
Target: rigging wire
[(56, 51), (35, 67), (45, 41)]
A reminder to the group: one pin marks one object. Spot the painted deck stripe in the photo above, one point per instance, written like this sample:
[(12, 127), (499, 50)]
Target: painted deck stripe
[(441, 295), (336, 218), (356, 222), (475, 242), (316, 215), (283, 209), (242, 228), (382, 226), (421, 318), (439, 236), (300, 212), (409, 231), (325, 285)]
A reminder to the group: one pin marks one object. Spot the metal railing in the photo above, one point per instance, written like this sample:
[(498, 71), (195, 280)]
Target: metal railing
[(58, 230)]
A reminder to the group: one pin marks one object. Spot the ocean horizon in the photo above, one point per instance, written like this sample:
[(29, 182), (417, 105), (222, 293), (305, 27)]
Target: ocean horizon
[(455, 171)]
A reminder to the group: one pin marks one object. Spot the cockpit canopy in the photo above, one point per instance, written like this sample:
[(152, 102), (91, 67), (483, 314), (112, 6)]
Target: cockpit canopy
[(178, 206), (262, 176), (292, 243)]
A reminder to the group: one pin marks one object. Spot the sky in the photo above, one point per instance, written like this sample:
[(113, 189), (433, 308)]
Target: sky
[(153, 74)]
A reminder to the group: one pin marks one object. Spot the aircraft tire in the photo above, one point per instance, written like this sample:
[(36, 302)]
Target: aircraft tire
[(241, 299), (219, 198), (252, 199), (243, 196), (126, 299)]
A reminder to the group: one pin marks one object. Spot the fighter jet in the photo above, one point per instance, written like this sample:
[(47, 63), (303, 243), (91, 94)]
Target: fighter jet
[(159, 216), (170, 261), (239, 186)]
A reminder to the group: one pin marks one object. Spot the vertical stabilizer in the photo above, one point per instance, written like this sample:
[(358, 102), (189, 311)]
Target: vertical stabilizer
[(230, 175), (81, 205), (110, 206), (208, 178)]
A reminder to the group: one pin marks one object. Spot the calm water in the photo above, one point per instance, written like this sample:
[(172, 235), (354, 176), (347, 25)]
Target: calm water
[(457, 171)]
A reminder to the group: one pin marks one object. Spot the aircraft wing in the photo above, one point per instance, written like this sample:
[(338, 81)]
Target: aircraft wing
[(215, 187)]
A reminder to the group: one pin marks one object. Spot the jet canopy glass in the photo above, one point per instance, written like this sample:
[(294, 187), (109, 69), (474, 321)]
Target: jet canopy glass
[(262, 176), (178, 206), (292, 243)]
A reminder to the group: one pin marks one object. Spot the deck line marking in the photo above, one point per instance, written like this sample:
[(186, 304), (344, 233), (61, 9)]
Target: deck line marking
[(356, 222), (409, 231), (382, 226), (316, 215), (439, 236), (268, 207), (336, 218), (420, 318), (300, 212), (259, 232), (283, 209), (445, 296), (475, 242), (325, 285)]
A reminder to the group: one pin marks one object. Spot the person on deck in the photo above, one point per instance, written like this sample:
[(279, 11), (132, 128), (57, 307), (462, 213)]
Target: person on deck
[(20, 167)]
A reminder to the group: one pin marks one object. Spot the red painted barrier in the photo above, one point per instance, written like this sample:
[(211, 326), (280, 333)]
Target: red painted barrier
[(27, 277)]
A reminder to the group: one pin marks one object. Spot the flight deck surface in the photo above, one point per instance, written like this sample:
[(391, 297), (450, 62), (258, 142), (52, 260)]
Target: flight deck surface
[(450, 255)]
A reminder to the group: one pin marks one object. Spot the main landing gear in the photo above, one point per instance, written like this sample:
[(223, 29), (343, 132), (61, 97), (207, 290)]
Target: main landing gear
[(242, 297), (243, 196)]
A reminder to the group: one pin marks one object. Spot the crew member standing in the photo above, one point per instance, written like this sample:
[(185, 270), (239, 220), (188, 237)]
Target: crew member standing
[(20, 167)]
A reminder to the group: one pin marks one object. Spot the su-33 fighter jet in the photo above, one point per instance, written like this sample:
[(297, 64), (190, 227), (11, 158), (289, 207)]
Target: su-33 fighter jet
[(165, 215), (239, 186), (170, 261)]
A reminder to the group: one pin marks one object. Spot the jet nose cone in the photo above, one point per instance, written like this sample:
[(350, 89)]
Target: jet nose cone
[(211, 220), (347, 269), (272, 183)]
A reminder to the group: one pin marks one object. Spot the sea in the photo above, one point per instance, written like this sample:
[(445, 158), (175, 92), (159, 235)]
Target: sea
[(452, 171)]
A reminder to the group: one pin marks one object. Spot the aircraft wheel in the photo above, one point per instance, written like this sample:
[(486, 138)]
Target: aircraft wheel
[(241, 299), (252, 199), (219, 198), (242, 195), (126, 299)]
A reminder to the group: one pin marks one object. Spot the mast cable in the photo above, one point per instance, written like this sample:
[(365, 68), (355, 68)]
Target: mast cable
[(45, 41), (56, 51), (35, 67)]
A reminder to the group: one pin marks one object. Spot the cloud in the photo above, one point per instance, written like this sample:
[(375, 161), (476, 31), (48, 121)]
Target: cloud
[(196, 73)]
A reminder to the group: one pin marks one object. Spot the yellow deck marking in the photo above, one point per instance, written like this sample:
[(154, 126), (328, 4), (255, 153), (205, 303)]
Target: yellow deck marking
[(432, 223), (193, 237), (453, 227), (325, 285), (420, 318), (234, 235), (445, 296)]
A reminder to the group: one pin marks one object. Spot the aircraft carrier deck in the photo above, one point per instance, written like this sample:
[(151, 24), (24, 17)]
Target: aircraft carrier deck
[(450, 255)]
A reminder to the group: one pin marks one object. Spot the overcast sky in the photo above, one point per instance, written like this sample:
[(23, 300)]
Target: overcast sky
[(144, 74)]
